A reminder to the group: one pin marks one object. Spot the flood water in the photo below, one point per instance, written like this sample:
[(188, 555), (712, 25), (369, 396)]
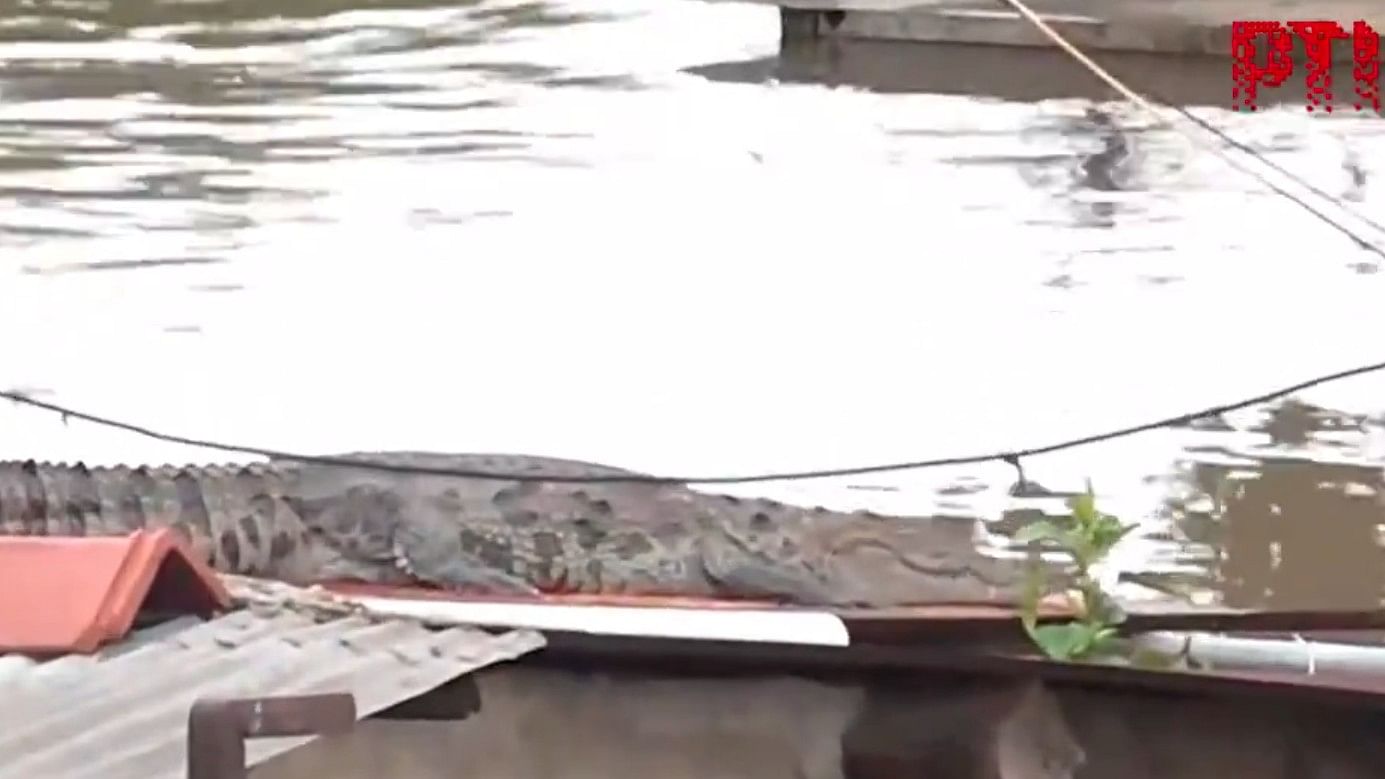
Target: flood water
[(624, 232)]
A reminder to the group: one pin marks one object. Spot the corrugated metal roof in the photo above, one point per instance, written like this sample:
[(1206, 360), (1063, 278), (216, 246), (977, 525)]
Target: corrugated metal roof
[(122, 713)]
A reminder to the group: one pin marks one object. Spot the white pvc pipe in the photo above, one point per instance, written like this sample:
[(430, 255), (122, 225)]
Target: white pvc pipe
[(787, 626), (1250, 654)]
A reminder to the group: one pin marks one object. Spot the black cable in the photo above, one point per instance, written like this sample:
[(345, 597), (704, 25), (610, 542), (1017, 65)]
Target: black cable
[(1012, 456), (1360, 242), (1226, 138), (1230, 141)]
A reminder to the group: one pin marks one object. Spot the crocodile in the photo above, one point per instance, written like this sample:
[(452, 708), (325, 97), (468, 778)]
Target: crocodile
[(302, 522)]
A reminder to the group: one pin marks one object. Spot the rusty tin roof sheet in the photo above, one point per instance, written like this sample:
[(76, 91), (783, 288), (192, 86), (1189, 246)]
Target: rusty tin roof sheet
[(122, 713)]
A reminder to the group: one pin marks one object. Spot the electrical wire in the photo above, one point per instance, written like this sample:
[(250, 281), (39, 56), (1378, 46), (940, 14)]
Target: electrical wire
[(1145, 104), (1230, 141), (1012, 457)]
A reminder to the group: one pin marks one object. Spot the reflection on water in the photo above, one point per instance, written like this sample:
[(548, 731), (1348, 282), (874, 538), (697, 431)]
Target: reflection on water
[(1286, 524), (629, 231)]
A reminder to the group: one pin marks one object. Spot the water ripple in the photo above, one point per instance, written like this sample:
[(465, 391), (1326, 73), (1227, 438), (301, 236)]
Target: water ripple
[(627, 231)]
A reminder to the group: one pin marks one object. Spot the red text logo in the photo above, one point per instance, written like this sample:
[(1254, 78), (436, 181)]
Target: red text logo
[(1249, 71)]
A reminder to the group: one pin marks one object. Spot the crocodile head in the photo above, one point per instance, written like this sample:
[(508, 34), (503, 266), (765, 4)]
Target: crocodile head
[(903, 561), (895, 564), (826, 558)]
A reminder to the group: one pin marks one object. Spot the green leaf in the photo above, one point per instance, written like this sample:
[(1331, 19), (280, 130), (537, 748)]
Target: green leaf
[(1083, 509), (1104, 639), (1056, 641), (1087, 535), (1082, 550), (1108, 533), (1041, 530), (1064, 642)]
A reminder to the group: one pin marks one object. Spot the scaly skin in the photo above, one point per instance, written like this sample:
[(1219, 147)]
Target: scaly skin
[(303, 523)]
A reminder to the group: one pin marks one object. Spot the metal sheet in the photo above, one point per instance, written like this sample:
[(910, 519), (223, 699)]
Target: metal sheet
[(586, 721), (123, 713), (957, 662)]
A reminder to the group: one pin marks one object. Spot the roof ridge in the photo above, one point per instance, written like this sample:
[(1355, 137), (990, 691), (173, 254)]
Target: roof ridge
[(66, 595)]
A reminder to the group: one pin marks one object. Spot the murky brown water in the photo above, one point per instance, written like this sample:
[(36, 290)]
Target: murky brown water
[(606, 231)]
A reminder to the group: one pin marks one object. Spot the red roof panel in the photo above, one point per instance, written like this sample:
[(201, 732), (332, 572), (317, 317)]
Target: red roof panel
[(60, 595)]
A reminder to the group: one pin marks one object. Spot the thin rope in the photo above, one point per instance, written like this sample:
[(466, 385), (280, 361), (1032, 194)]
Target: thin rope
[(1148, 106)]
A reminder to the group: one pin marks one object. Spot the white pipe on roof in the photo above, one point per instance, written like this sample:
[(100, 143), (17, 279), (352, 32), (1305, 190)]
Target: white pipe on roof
[(1251, 654), (817, 628)]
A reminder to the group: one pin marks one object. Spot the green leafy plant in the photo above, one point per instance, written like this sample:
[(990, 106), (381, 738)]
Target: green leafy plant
[(1087, 535)]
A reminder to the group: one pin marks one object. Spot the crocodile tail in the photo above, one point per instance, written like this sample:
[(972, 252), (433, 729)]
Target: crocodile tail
[(234, 518), (38, 499)]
